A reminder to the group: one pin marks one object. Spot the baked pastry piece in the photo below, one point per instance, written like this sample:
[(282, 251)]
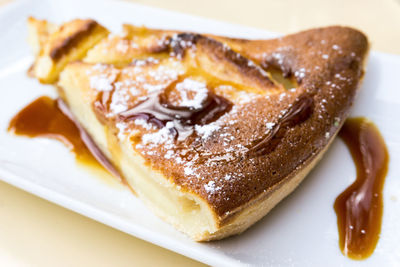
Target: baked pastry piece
[(211, 132), (54, 46)]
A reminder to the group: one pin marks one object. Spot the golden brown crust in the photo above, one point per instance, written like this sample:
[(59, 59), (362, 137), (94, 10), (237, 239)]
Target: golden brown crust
[(55, 46), (235, 65), (62, 46), (327, 63)]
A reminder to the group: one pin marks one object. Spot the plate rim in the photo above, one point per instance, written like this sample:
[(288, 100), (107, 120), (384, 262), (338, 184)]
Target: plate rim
[(102, 216)]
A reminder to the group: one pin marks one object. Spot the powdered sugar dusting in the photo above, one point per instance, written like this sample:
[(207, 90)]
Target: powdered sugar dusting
[(188, 171), (101, 82), (205, 131), (200, 93), (269, 125), (159, 137), (143, 123), (211, 187), (121, 130), (119, 100)]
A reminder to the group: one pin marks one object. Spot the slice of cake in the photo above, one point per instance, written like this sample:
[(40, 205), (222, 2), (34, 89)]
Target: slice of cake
[(211, 132)]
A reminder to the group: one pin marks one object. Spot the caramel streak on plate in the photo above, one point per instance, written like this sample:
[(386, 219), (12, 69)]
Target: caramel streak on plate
[(46, 117), (359, 208)]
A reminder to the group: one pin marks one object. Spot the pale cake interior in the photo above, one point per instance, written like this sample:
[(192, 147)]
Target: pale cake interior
[(186, 211)]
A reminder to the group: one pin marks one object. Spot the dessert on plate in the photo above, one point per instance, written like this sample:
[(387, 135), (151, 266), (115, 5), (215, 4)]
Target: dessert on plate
[(211, 132)]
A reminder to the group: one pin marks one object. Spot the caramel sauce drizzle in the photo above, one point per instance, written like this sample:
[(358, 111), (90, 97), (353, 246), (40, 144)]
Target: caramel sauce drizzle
[(359, 208), (300, 111), (158, 111), (46, 117)]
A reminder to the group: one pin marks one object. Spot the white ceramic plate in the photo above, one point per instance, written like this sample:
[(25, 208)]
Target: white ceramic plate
[(301, 231)]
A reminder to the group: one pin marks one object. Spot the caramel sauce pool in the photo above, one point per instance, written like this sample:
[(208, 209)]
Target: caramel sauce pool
[(359, 208), (43, 118)]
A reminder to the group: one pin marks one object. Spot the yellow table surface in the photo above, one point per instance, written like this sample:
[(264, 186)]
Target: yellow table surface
[(34, 232)]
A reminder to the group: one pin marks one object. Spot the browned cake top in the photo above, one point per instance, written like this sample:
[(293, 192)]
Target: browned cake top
[(213, 119)]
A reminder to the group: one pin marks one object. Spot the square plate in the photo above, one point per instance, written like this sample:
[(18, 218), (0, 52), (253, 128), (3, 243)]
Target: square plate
[(300, 231)]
